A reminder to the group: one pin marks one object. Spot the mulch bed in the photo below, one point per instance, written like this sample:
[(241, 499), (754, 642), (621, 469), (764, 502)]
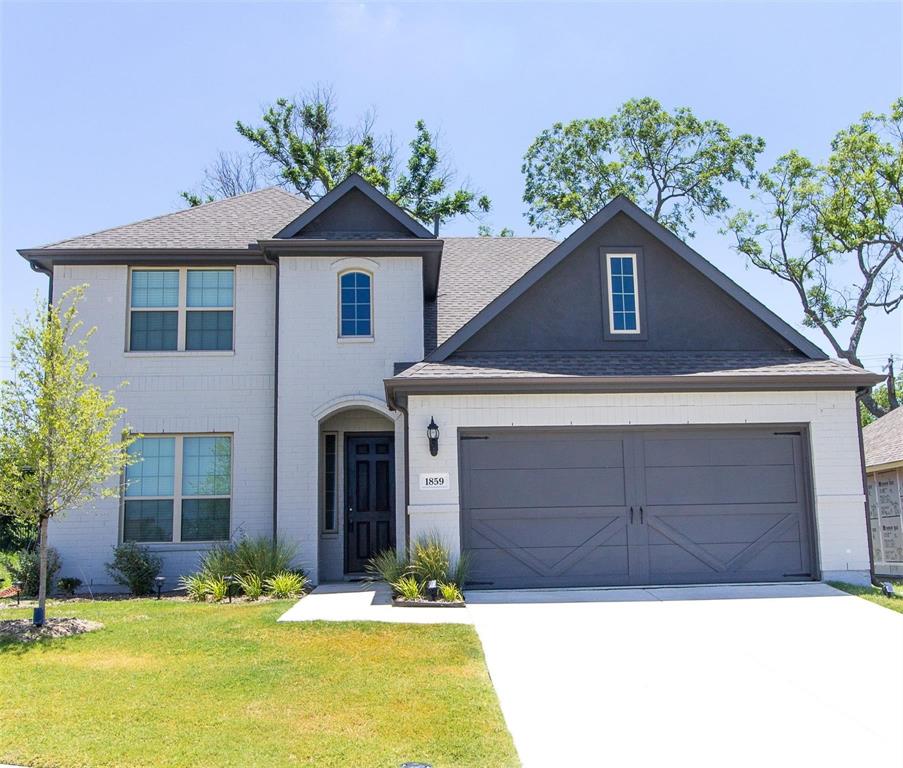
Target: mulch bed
[(23, 631)]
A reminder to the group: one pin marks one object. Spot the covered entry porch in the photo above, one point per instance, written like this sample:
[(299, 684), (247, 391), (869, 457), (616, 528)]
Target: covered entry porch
[(360, 486)]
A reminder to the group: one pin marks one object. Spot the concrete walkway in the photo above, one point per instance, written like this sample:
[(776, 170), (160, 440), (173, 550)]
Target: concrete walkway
[(366, 602), (784, 675)]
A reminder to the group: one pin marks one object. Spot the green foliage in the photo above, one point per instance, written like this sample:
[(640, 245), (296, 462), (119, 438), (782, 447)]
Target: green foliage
[(386, 566), (135, 567), (259, 556), (484, 230), (26, 567), (673, 165), (61, 439), (217, 589), (251, 585), (450, 593), (68, 585), (430, 559), (408, 588), (8, 562), (17, 531), (813, 219), (286, 584), (309, 151), (196, 586), (882, 400), (194, 200)]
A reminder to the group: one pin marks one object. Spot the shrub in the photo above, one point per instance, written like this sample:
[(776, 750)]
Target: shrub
[(286, 584), (134, 567), (261, 556), (408, 588), (450, 593), (430, 559), (9, 563), (27, 568), (386, 566), (251, 585), (459, 571), (195, 586), (218, 589), (68, 585)]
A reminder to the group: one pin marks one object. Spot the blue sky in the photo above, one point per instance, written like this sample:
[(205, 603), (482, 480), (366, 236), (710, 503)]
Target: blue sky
[(108, 110)]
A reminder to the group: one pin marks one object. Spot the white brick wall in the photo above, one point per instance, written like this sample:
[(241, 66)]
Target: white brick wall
[(317, 369), (831, 416), (178, 392)]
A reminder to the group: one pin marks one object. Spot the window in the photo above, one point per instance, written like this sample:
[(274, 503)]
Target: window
[(179, 489), (623, 294), (153, 325), (330, 499), (181, 309), (356, 305)]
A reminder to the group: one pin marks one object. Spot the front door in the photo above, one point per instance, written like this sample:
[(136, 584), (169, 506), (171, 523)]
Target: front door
[(369, 498)]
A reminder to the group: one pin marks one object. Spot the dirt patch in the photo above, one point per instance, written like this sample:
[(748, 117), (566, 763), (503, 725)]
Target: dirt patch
[(23, 631)]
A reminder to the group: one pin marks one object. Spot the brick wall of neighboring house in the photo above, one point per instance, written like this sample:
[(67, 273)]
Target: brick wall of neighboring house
[(831, 416)]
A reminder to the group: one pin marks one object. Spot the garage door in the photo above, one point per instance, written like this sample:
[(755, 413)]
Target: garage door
[(544, 508)]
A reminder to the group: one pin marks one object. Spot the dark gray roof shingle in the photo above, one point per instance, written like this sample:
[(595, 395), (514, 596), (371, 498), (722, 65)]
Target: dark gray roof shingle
[(475, 270), (234, 222), (523, 365), (883, 439)]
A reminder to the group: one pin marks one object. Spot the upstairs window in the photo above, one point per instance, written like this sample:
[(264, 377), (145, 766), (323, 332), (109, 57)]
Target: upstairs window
[(179, 489), (181, 309), (623, 294), (355, 305)]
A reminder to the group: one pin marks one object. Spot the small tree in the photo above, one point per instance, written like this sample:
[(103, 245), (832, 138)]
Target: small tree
[(673, 165), (814, 220), (58, 441)]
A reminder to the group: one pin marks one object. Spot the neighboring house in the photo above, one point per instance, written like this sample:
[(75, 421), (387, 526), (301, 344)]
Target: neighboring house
[(883, 444), (610, 410)]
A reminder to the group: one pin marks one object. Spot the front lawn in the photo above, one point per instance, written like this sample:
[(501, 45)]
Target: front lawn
[(873, 594), (173, 683)]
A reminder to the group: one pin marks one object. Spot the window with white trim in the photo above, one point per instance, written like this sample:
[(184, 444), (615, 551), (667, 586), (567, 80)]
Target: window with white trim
[(623, 294), (355, 304), (179, 489), (181, 309)]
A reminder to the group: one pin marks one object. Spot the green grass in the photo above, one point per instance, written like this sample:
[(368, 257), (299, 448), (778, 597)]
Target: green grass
[(873, 594), (172, 683)]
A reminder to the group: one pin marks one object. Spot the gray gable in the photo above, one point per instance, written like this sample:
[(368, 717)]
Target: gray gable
[(690, 305), (354, 210)]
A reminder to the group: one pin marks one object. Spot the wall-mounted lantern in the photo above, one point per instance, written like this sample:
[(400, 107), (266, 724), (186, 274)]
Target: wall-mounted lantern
[(432, 434)]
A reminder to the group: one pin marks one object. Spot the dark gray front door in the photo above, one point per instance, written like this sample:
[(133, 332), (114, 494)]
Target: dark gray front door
[(369, 498), (543, 508)]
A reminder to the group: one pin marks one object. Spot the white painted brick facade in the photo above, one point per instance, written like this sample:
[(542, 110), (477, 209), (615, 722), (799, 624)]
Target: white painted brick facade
[(830, 416), (320, 374), (177, 392)]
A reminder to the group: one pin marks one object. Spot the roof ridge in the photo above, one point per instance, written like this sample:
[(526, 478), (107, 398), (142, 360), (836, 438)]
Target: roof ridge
[(172, 213)]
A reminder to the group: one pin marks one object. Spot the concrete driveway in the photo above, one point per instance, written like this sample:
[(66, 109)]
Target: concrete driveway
[(784, 675)]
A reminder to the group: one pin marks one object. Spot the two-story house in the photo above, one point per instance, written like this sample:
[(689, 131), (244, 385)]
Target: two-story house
[(606, 410)]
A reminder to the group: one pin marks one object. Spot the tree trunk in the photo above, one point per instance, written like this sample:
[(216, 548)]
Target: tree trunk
[(42, 578), (892, 400)]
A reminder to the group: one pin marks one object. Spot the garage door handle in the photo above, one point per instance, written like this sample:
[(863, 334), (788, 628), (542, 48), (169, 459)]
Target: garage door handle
[(631, 515), (641, 515)]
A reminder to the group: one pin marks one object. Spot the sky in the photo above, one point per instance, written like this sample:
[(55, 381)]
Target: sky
[(108, 110)]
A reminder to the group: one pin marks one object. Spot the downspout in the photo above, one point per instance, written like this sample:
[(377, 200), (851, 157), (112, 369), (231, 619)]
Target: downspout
[(865, 486), (394, 405), (275, 264), (45, 271)]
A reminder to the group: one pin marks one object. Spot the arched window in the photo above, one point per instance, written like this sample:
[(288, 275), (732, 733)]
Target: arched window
[(355, 304)]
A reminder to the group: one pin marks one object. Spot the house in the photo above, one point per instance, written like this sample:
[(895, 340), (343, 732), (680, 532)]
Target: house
[(607, 410), (883, 446)]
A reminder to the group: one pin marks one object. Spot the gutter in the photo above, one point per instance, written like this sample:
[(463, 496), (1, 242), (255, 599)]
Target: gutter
[(275, 264), (619, 384)]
